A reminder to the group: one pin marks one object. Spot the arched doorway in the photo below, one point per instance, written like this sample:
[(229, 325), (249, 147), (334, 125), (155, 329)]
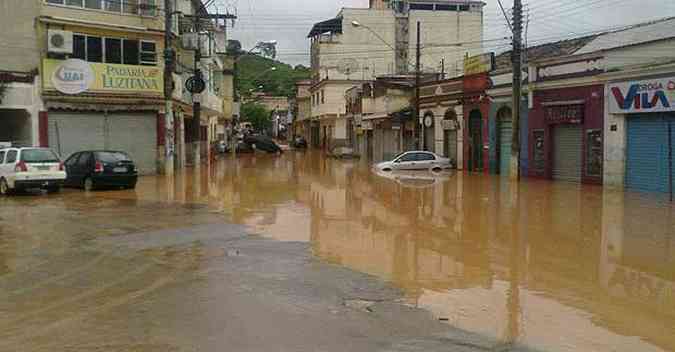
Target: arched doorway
[(504, 138), (475, 141), (450, 128), (428, 123)]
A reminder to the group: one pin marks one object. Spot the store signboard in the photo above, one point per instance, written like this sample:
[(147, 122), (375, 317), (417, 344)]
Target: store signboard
[(654, 95)]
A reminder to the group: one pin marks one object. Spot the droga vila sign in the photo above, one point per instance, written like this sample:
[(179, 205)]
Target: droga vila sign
[(656, 95), (76, 76)]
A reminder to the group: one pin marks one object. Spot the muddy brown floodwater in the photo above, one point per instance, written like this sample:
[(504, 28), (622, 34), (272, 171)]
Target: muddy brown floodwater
[(539, 266)]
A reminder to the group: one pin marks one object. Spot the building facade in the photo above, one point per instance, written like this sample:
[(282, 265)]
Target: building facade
[(359, 45)]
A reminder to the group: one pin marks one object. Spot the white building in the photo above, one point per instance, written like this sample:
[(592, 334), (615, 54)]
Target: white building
[(360, 44)]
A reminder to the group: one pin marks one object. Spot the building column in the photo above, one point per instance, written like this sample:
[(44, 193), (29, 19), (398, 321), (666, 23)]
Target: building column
[(43, 129)]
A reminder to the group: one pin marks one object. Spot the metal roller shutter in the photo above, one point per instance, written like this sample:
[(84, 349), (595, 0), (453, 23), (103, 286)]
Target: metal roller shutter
[(567, 146), (135, 134), (451, 145), (505, 137), (73, 132), (647, 154)]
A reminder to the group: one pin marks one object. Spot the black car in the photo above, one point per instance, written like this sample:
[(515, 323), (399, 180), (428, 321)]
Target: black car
[(98, 169), (263, 143)]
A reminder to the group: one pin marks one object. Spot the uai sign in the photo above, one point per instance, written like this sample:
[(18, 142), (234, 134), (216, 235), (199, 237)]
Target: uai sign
[(76, 76), (657, 95)]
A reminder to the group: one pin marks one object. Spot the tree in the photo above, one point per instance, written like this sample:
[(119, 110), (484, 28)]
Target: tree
[(257, 115)]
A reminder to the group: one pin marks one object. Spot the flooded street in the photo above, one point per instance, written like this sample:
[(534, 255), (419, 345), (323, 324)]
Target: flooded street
[(305, 253)]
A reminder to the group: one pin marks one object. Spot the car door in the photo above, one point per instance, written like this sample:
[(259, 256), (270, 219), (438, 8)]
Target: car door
[(71, 165), (2, 163), (425, 161), (405, 162), (82, 168)]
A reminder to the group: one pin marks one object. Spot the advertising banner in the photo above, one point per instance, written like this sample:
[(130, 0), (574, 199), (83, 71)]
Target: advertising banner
[(655, 95), (75, 76)]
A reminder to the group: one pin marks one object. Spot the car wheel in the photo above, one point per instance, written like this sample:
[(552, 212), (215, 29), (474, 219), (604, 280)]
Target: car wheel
[(436, 169), (55, 189), (4, 188), (131, 186), (386, 169), (88, 184)]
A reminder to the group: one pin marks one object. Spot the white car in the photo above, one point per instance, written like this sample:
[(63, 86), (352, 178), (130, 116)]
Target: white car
[(416, 160), (27, 168)]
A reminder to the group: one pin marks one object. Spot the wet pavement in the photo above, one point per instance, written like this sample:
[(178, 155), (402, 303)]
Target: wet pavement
[(303, 253)]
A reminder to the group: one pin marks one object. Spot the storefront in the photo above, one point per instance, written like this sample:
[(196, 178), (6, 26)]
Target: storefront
[(476, 112), (93, 106), (566, 134), (647, 108), (442, 100)]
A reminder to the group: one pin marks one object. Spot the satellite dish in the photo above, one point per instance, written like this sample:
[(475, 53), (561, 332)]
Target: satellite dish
[(348, 66)]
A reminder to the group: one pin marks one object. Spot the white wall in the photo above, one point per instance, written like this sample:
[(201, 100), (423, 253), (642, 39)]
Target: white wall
[(360, 45), (441, 29), (334, 98)]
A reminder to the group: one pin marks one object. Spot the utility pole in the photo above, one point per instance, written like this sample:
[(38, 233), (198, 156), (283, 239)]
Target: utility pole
[(168, 92), (516, 59), (196, 102), (418, 54)]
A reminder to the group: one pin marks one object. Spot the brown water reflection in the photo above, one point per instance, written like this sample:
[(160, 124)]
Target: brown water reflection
[(548, 266)]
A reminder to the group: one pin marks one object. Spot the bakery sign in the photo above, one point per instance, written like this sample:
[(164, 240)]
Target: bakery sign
[(655, 95), (74, 76)]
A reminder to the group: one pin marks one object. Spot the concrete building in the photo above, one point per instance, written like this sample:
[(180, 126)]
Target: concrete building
[(359, 45), (303, 110), (90, 75)]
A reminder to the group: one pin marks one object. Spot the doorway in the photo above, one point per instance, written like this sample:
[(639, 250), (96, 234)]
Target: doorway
[(475, 141)]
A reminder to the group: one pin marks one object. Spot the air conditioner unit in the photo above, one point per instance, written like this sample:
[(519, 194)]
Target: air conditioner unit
[(60, 42)]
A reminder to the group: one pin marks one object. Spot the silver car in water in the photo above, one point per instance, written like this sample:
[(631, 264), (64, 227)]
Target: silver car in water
[(416, 160)]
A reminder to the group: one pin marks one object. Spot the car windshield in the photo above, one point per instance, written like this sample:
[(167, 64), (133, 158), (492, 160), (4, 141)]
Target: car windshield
[(39, 156), (112, 157)]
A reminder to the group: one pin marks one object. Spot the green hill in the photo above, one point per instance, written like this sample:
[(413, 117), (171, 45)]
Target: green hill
[(254, 71)]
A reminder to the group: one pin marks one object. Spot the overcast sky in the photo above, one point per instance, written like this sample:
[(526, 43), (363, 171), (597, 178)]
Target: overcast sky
[(289, 21)]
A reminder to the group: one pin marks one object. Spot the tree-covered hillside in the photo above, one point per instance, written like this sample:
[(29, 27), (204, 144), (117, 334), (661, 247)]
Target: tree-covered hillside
[(255, 71)]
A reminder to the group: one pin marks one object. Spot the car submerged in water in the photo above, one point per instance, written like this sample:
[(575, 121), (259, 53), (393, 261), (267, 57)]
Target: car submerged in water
[(416, 160)]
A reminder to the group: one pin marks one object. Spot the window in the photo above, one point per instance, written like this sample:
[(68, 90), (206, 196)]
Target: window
[(113, 5), (440, 7), (112, 157), (130, 52), (79, 47), (427, 7), (463, 7), (408, 157), (94, 49), (39, 156), (113, 50), (2, 157), (57, 2), (539, 156), (78, 3), (72, 160), (323, 97), (148, 7), (84, 159), (594, 153), (425, 157), (130, 6), (93, 4), (148, 53), (11, 157)]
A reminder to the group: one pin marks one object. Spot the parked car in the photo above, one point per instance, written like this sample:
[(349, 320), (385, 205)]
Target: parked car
[(263, 143), (222, 147), (299, 143), (101, 168), (30, 168), (243, 148), (416, 160)]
